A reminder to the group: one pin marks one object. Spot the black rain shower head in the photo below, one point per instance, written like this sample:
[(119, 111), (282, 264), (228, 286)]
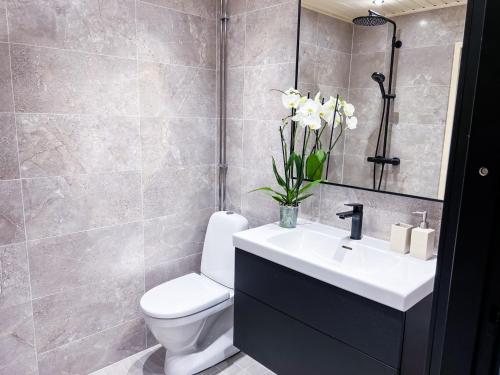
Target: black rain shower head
[(380, 78), (370, 20)]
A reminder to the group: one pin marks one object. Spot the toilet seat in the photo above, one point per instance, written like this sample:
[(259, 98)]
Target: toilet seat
[(183, 296)]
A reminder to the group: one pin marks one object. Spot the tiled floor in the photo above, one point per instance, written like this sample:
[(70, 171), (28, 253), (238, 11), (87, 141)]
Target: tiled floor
[(150, 362)]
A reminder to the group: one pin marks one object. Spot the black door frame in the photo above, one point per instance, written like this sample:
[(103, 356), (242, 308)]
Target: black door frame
[(466, 289)]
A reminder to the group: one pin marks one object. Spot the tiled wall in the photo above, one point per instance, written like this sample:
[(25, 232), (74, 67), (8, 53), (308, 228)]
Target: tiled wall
[(107, 154), (253, 135), (261, 57)]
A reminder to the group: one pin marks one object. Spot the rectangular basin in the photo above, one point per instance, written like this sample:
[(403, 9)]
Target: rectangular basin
[(365, 267)]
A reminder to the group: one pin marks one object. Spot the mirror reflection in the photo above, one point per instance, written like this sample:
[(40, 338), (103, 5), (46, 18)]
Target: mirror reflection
[(398, 65)]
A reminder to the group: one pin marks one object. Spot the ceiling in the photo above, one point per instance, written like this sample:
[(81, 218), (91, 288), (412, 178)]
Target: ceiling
[(348, 9)]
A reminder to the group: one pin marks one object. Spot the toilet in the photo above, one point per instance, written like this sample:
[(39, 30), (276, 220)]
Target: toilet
[(192, 315)]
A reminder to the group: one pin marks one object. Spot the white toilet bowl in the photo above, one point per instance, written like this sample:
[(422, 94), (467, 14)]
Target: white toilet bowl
[(192, 316)]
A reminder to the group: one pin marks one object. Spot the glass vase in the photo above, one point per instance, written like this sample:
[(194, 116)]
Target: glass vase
[(288, 216)]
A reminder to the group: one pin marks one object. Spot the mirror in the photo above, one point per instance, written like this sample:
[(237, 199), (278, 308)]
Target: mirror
[(398, 65)]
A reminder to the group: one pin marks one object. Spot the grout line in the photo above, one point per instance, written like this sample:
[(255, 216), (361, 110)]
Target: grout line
[(93, 334), (268, 7), (130, 59), (22, 196), (176, 10), (84, 231)]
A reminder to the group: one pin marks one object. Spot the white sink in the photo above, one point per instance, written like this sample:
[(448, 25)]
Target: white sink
[(365, 267)]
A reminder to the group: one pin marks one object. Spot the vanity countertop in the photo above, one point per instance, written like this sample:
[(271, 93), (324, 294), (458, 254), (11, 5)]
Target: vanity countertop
[(365, 267)]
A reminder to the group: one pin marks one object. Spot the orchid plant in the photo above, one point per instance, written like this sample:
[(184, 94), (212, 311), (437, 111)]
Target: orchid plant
[(313, 116)]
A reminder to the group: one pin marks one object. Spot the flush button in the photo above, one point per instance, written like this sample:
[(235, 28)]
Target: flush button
[(483, 171)]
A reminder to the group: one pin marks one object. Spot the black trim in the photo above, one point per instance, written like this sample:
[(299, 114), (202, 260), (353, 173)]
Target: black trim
[(380, 191)]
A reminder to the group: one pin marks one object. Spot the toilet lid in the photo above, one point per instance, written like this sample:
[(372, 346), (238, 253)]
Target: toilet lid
[(183, 296)]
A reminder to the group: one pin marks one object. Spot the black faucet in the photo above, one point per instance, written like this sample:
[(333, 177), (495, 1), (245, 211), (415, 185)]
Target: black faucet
[(357, 219)]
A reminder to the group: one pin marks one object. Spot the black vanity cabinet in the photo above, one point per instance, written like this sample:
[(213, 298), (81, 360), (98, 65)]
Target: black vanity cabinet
[(295, 324)]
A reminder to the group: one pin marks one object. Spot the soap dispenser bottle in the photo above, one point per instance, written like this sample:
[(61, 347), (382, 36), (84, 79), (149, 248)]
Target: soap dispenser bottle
[(422, 239)]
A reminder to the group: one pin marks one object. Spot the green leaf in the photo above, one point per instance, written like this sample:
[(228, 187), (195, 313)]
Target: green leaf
[(302, 197), (278, 199), (309, 186), (279, 179), (314, 164)]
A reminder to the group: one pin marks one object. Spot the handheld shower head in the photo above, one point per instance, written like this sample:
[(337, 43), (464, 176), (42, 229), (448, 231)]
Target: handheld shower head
[(380, 78)]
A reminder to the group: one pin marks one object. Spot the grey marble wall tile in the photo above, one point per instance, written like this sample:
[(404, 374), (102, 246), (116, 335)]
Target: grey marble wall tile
[(236, 40), (77, 313), (327, 91), (173, 237), (233, 188), (335, 168), (235, 7), (433, 28), (17, 351), (425, 66), (234, 92), (333, 68), (167, 90), (334, 34), (234, 142), (417, 142), (363, 66), (178, 189), (362, 140), (259, 4), (54, 145), (85, 258), (14, 277), (170, 37), (177, 142), (11, 213), (9, 164), (96, 351), (3, 24), (261, 141), (422, 105), (61, 205), (264, 28), (162, 272), (94, 26), (6, 100), (357, 171), (259, 101), (414, 177), (258, 207), (204, 8), (370, 39), (57, 81), (308, 56), (308, 26), (368, 104)]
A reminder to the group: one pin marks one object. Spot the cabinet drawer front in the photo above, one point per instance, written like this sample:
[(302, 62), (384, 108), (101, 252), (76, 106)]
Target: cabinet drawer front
[(289, 347), (373, 328)]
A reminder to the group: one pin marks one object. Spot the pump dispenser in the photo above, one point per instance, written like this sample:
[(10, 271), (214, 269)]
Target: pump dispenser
[(422, 239)]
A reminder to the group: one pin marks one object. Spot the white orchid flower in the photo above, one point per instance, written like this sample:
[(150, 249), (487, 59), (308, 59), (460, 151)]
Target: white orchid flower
[(308, 114), (348, 109), (328, 110), (352, 122), (338, 120), (291, 98)]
